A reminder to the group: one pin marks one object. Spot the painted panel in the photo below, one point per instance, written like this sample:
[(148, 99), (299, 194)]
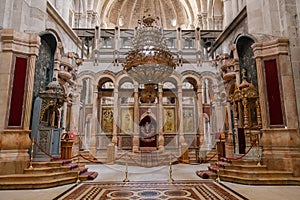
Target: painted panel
[(127, 120), (169, 120), (188, 120), (107, 120)]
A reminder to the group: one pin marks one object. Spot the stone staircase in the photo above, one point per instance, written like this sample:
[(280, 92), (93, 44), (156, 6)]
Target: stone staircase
[(47, 174), (211, 156), (247, 172), (193, 157)]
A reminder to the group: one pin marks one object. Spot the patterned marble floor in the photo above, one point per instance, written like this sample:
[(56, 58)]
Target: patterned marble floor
[(181, 172), (155, 190)]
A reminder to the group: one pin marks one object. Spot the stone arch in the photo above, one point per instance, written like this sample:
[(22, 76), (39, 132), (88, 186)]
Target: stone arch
[(174, 81), (123, 75), (123, 80), (106, 74), (214, 85), (191, 76)]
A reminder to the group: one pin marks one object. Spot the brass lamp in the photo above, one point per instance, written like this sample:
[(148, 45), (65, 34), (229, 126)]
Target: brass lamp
[(149, 61)]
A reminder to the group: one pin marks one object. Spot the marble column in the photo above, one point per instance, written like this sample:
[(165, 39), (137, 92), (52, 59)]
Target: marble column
[(136, 138), (200, 23), (200, 128), (204, 20), (89, 18), (74, 118), (160, 108), (227, 12), (179, 39), (15, 141), (200, 116), (234, 7), (116, 115), (64, 116), (180, 116), (65, 9), (160, 117), (229, 140), (95, 122)]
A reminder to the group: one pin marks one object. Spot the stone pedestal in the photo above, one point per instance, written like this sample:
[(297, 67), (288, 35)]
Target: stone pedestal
[(185, 152), (281, 149), (135, 142), (281, 146), (111, 154), (14, 137), (14, 156), (161, 141)]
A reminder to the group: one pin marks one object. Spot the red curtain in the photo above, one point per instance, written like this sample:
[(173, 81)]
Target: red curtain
[(18, 92), (274, 100)]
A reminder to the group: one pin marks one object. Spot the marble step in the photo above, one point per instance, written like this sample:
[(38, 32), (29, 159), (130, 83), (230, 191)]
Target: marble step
[(50, 164), (46, 180), (36, 184), (246, 167), (36, 177), (43, 170), (261, 181), (253, 174), (244, 162)]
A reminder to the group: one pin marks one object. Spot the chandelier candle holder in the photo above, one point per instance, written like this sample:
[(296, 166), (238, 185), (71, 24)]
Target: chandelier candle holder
[(149, 61), (31, 154)]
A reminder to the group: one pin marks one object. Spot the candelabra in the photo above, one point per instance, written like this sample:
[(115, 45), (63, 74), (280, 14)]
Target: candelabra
[(31, 154)]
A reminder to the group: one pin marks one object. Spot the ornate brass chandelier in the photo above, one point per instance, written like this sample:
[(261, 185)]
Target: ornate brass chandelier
[(149, 61)]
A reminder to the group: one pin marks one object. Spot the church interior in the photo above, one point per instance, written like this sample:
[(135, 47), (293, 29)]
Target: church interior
[(154, 99)]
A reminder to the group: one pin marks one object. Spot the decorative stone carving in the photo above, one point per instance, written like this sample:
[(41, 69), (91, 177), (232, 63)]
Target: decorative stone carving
[(148, 95), (228, 68), (53, 96), (247, 95)]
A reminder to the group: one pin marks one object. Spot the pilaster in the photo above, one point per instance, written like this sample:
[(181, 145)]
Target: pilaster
[(15, 141), (281, 143)]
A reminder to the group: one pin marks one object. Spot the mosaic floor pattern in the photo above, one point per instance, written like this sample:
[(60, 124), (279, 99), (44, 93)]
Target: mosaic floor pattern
[(151, 191)]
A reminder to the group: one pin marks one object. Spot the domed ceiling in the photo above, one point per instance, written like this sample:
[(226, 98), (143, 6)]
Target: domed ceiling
[(172, 13)]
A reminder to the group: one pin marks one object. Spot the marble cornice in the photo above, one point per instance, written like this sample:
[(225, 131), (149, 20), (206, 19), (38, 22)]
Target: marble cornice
[(271, 48), (19, 42)]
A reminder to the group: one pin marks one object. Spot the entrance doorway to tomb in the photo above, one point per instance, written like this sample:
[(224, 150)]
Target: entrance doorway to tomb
[(148, 133), (242, 141)]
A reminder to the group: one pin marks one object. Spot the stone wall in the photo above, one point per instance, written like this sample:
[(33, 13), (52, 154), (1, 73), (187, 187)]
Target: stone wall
[(278, 18), (24, 16)]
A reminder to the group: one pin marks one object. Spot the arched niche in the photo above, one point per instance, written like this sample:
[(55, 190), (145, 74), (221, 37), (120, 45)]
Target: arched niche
[(44, 63), (105, 104), (246, 58)]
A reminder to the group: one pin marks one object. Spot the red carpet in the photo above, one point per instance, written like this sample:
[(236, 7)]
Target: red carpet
[(151, 190)]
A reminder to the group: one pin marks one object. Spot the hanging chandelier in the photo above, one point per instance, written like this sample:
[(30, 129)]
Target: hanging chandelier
[(149, 61)]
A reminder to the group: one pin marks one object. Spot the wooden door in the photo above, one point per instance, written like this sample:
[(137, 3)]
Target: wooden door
[(242, 141)]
